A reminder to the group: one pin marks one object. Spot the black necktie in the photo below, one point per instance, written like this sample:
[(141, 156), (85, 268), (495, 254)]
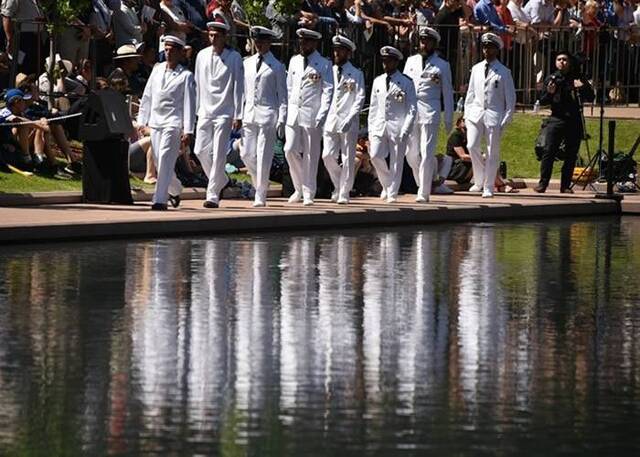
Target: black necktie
[(486, 70), (424, 61), (305, 62), (259, 63), (339, 73), (388, 82)]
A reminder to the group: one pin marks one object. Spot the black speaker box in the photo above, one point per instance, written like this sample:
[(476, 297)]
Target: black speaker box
[(105, 172), (106, 115)]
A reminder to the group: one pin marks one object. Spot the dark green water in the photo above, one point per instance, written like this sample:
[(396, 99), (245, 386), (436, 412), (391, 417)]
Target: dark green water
[(485, 339)]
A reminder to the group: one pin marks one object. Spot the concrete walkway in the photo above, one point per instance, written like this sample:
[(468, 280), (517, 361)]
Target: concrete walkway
[(82, 221)]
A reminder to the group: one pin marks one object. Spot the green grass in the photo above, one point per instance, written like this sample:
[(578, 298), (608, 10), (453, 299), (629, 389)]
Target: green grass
[(517, 151), (518, 142), (13, 183)]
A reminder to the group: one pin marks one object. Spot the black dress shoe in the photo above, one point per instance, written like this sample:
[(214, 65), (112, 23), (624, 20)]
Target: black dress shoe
[(566, 191), (158, 207), (208, 204), (174, 200), (540, 189)]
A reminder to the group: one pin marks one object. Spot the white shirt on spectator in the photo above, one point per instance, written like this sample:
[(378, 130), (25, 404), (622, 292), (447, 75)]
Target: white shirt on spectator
[(540, 11), (518, 13), (22, 10)]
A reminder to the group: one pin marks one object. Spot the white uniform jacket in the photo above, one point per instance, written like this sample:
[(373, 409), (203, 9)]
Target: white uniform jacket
[(265, 91), (432, 81), (491, 99), (310, 90), (393, 111), (347, 101), (169, 99), (219, 84)]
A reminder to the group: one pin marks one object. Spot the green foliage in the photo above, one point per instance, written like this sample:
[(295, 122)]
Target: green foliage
[(61, 13), (255, 10)]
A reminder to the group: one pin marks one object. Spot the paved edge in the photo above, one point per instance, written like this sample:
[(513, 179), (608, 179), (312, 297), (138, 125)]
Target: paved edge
[(304, 221)]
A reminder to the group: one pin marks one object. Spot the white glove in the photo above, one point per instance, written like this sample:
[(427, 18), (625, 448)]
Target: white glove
[(280, 130)]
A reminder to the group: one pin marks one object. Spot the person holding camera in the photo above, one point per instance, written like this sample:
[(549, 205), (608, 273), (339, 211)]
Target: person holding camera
[(564, 91)]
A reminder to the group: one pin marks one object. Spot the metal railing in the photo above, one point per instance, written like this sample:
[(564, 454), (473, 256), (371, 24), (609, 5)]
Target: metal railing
[(606, 53)]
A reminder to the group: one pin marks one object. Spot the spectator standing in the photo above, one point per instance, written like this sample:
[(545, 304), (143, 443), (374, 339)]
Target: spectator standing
[(310, 86), (175, 23), (127, 60), (392, 112), (505, 16), (100, 24), (220, 89), (448, 21), (127, 27), (25, 18), (489, 107), (487, 15)]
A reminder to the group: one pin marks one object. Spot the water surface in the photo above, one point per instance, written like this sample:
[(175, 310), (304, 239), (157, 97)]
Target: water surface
[(478, 339)]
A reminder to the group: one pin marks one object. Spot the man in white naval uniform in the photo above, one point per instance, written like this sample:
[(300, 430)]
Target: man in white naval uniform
[(343, 121), (431, 76), (168, 108), (220, 85), (310, 86), (392, 111), (265, 110), (488, 109)]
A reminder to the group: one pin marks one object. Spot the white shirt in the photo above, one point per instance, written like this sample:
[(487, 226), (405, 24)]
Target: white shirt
[(169, 99), (219, 84), (265, 92), (432, 82), (518, 13), (491, 99), (347, 101), (392, 111), (310, 90), (540, 11)]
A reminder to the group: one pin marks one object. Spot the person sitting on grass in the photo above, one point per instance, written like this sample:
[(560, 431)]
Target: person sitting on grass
[(42, 160), (37, 109), (458, 160)]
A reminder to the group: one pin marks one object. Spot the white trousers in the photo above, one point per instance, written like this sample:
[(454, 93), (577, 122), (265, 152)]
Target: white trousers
[(165, 145), (340, 145), (484, 170), (302, 151), (212, 138), (421, 157), (257, 155), (390, 176)]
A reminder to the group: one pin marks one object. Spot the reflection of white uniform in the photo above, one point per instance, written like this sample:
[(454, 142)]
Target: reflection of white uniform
[(391, 115), (298, 323), (220, 87), (265, 108), (341, 128), (168, 108), (310, 90), (488, 108), (432, 80)]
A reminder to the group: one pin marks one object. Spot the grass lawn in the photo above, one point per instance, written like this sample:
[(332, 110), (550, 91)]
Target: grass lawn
[(517, 151)]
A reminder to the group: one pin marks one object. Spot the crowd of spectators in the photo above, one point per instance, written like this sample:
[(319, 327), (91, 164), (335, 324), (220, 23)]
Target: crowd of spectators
[(116, 43)]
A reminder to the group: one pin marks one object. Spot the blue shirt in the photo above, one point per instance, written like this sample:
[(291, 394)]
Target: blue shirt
[(486, 14)]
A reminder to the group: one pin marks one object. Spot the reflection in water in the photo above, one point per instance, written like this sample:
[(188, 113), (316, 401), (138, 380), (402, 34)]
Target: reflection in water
[(467, 340)]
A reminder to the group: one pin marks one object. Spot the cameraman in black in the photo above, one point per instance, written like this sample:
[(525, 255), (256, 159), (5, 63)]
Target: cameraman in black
[(564, 90)]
